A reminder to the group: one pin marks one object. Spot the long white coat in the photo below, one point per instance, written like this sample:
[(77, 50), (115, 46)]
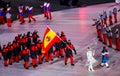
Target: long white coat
[(90, 59)]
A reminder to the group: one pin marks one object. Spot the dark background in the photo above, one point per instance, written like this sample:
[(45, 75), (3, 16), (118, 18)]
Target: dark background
[(91, 2)]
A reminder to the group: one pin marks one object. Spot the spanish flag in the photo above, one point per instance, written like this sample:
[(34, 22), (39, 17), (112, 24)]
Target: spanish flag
[(49, 39)]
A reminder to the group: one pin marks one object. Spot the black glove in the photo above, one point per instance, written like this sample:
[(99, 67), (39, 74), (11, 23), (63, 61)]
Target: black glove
[(75, 51)]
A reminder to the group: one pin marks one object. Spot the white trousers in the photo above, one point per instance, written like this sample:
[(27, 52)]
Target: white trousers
[(106, 64)]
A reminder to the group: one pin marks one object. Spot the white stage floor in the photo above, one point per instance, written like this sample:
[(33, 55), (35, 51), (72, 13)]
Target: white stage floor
[(77, 25)]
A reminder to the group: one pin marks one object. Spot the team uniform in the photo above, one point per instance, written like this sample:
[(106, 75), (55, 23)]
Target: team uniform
[(10, 53), (110, 18), (99, 31), (39, 52), (115, 14), (110, 36), (63, 44), (44, 9), (117, 37), (9, 19), (49, 55), (33, 53), (25, 55), (68, 53), (21, 14), (29, 41), (5, 55), (16, 51), (30, 14), (35, 36), (104, 32), (2, 14), (104, 18), (24, 40), (57, 47), (48, 11), (105, 57), (101, 19)]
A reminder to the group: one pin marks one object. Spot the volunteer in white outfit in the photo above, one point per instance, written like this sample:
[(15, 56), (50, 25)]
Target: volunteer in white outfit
[(90, 59)]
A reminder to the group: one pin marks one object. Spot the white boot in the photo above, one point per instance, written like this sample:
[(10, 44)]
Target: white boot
[(106, 64)]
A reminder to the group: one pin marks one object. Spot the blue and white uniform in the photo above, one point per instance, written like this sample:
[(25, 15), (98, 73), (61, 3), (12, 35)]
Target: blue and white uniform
[(105, 57)]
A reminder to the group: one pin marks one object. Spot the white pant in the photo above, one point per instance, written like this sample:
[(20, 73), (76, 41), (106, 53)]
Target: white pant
[(106, 64)]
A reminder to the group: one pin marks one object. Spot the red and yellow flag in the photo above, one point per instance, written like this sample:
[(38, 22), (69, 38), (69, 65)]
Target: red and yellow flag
[(49, 39)]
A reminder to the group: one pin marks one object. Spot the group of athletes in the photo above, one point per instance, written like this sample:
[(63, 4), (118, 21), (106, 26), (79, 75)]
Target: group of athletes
[(28, 47)]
